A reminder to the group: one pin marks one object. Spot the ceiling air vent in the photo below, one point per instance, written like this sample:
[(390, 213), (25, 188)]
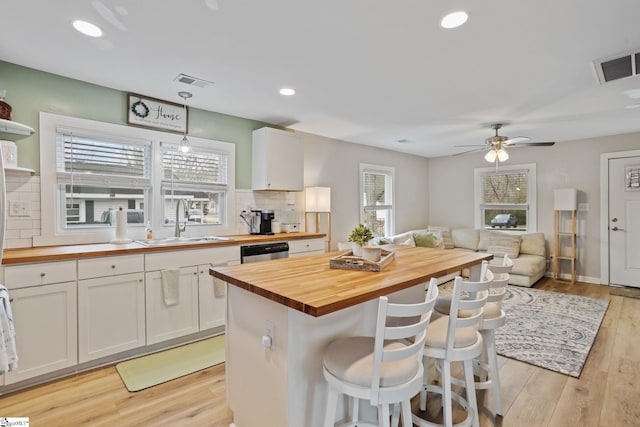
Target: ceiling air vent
[(193, 81), (618, 67)]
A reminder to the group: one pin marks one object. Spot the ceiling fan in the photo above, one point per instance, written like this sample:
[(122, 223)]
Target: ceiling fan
[(496, 145)]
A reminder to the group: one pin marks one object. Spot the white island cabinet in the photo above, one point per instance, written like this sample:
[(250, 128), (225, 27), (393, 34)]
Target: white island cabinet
[(45, 317), (111, 306)]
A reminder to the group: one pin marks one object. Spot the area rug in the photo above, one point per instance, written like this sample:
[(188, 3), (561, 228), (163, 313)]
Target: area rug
[(625, 292), (147, 371), (549, 329)]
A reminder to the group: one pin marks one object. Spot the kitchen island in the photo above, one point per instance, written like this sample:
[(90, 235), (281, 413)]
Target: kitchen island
[(282, 313)]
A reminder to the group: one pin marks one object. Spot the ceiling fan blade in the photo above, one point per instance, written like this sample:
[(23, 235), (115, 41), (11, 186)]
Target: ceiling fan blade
[(469, 151), (516, 140), (532, 144), (471, 145)]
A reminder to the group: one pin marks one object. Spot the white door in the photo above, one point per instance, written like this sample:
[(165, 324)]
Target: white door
[(624, 221)]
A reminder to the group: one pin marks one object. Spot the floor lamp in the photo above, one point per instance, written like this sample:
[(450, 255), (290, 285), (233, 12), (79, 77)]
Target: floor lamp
[(318, 201)]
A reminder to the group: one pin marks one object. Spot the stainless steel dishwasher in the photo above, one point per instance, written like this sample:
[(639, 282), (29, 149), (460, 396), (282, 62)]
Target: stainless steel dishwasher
[(264, 252)]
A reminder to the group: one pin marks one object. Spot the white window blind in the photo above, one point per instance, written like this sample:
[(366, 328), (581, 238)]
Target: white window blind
[(197, 167), (100, 161)]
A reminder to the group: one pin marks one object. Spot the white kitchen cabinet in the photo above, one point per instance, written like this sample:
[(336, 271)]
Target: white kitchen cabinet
[(277, 160), (306, 247), (212, 299), (46, 328), (210, 305), (164, 321), (111, 306)]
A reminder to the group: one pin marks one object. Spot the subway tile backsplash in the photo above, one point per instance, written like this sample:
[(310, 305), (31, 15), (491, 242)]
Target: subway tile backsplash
[(25, 190)]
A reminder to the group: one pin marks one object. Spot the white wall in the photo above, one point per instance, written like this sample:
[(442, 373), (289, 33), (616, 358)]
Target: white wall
[(332, 163), (573, 164)]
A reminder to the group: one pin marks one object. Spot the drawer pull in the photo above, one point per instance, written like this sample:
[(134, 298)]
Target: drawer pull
[(10, 299), (113, 266), (43, 274)]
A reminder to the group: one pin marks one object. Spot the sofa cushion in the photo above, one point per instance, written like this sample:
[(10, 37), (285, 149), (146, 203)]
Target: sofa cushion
[(485, 238), (400, 239), (428, 239), (446, 235), (533, 244), (466, 238), (501, 244)]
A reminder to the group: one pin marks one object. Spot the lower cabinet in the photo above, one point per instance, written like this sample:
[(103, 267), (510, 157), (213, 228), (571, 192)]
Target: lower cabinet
[(166, 320), (111, 315), (45, 320), (212, 299), (306, 247)]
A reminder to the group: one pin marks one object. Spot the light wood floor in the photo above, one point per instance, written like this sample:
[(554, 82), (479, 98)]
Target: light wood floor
[(607, 393)]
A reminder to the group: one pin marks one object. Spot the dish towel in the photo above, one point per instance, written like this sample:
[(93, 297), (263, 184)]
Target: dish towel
[(170, 279), (219, 285), (8, 353)]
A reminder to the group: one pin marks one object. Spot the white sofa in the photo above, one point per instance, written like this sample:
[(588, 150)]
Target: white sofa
[(527, 250)]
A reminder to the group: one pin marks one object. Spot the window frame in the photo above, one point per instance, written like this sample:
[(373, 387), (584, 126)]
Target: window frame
[(389, 172), (51, 232), (531, 205)]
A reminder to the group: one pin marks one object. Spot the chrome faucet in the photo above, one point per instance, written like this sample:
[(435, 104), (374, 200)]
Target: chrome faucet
[(184, 227)]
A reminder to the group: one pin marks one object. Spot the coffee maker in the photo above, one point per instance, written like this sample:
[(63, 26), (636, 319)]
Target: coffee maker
[(261, 221)]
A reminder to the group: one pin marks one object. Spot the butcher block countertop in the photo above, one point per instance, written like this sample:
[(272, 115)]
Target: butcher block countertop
[(309, 285), (57, 253)]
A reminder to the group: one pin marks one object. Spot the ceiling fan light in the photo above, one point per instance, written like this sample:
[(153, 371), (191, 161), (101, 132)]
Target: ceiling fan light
[(491, 156), (502, 155)]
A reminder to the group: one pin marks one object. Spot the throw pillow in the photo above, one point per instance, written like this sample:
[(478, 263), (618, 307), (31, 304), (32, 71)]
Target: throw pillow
[(447, 239), (428, 239), (499, 245), (408, 242)]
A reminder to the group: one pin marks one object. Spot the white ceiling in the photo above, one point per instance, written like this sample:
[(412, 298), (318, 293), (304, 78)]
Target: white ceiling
[(365, 71)]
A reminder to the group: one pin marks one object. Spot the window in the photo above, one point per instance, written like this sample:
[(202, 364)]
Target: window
[(200, 179), (90, 169), (376, 187), (506, 199), (96, 175)]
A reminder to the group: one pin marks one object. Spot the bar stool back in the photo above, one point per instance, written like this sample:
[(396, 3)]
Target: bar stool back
[(385, 369)]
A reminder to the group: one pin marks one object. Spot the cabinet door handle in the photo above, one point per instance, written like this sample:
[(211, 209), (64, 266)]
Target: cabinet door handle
[(10, 300), (113, 266), (614, 228)]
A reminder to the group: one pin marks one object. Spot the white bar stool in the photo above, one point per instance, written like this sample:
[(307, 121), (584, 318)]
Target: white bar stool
[(385, 369), (455, 338)]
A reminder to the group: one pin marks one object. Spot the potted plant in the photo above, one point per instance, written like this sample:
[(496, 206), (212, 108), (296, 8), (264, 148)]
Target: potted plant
[(360, 236)]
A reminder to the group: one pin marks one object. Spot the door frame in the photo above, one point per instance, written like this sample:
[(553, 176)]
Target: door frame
[(604, 209)]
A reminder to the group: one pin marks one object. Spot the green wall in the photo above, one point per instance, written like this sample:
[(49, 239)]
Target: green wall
[(30, 91)]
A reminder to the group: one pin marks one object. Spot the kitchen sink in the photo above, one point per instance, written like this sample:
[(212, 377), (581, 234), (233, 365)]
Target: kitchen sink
[(183, 240)]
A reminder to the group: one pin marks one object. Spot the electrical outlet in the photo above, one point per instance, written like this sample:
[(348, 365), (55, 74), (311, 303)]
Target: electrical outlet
[(19, 208), (270, 329)]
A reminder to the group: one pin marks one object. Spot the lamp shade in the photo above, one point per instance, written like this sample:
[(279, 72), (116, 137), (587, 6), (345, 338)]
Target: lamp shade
[(565, 199), (318, 199), (491, 156)]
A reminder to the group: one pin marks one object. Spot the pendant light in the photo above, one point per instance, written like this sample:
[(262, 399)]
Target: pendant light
[(185, 145)]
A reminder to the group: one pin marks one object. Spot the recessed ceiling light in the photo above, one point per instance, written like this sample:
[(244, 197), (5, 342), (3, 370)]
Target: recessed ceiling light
[(87, 28), (287, 91), (454, 19)]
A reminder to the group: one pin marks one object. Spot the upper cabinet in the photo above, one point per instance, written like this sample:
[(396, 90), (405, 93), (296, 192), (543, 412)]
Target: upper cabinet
[(13, 131), (278, 160)]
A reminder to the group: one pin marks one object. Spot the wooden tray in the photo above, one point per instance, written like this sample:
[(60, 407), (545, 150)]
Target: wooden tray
[(348, 261)]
